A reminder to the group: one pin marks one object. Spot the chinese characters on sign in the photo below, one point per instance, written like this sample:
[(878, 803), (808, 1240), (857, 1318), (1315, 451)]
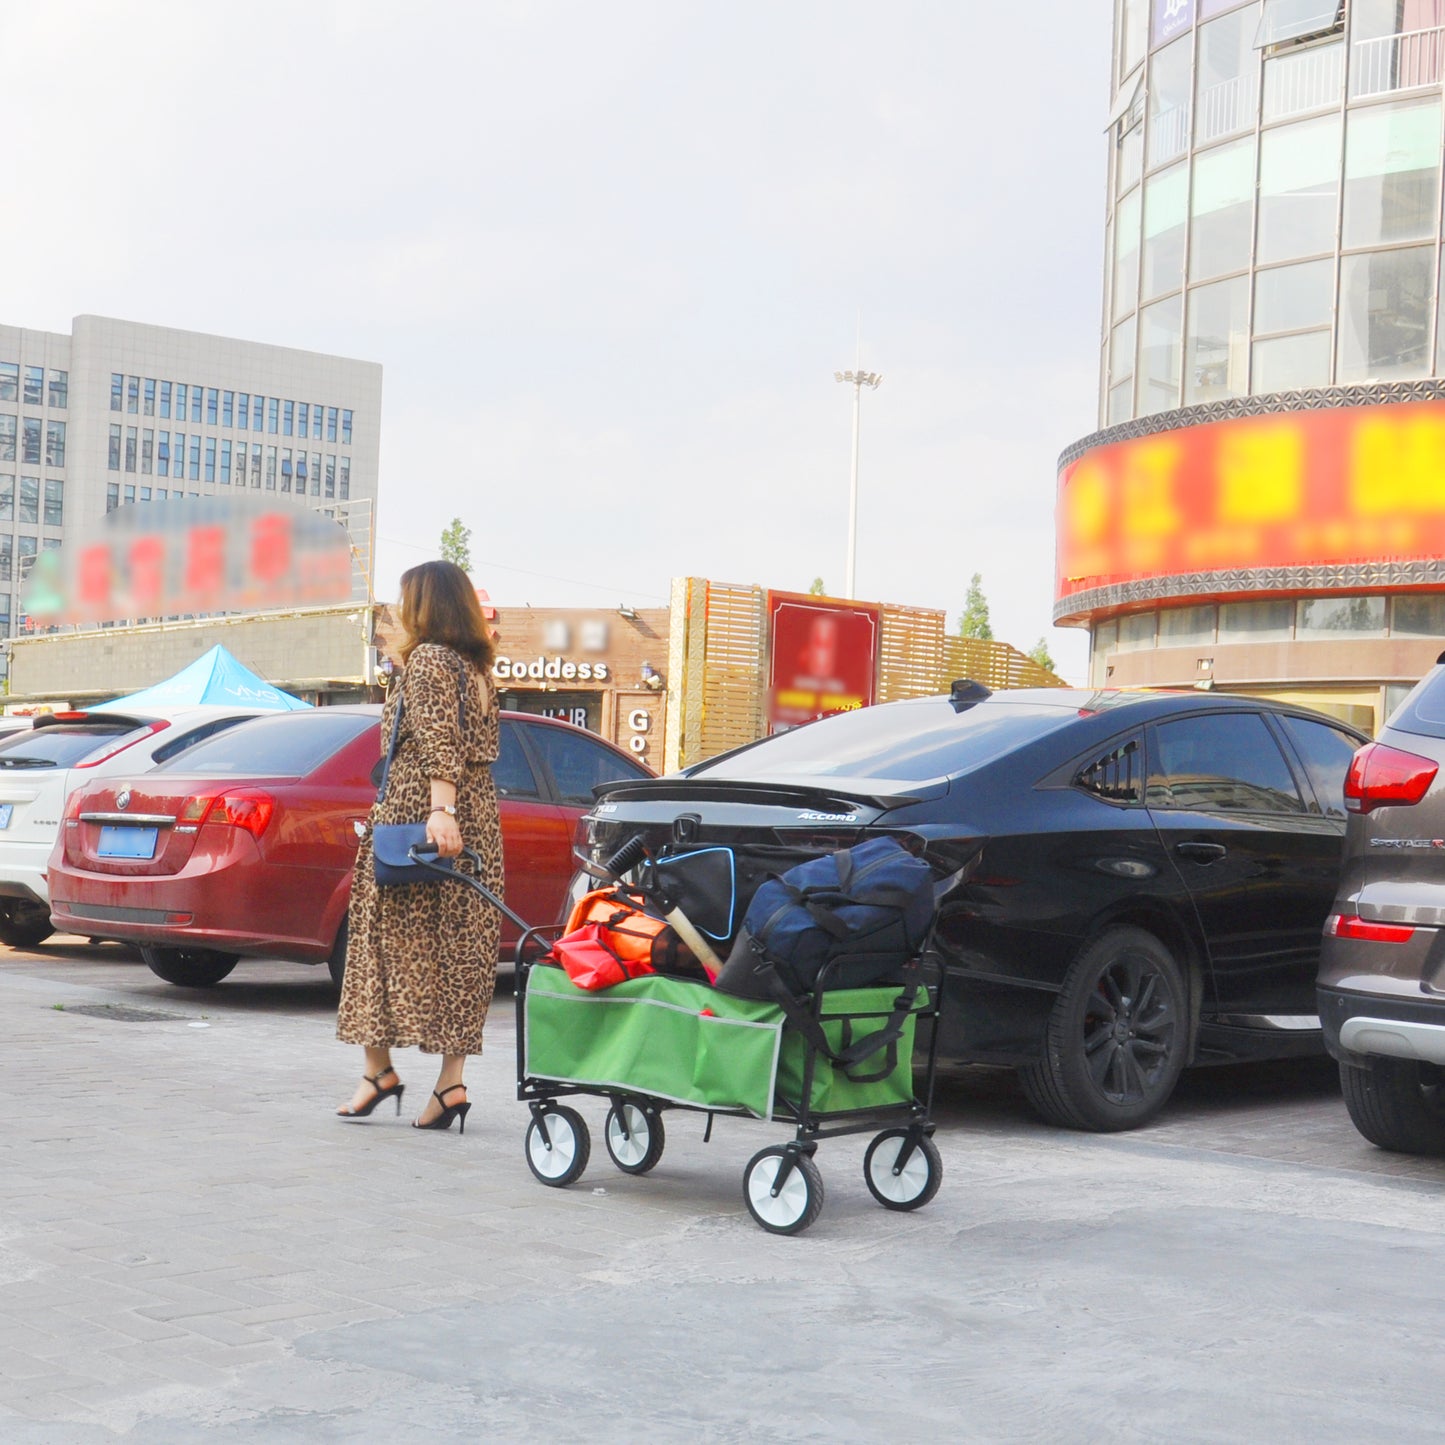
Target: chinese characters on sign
[(1349, 484), (824, 658), (188, 557)]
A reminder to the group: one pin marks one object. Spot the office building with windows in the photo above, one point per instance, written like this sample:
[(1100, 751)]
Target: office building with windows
[(1263, 508), (117, 413)]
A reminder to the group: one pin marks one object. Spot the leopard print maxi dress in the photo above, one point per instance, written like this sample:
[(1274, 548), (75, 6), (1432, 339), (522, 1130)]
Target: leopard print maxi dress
[(421, 959)]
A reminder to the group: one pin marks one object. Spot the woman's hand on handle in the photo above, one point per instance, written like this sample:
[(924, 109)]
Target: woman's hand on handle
[(444, 835)]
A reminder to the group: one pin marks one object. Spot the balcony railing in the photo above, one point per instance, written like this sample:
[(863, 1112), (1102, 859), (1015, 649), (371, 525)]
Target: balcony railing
[(1225, 108), (1309, 80), (1397, 62)]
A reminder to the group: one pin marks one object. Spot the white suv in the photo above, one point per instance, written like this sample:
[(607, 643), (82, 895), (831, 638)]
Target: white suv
[(40, 765)]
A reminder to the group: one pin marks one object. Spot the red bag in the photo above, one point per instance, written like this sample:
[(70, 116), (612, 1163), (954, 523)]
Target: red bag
[(618, 913), (592, 959)]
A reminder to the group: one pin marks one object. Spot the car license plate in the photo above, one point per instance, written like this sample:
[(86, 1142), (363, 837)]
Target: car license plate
[(121, 842), (6, 809)]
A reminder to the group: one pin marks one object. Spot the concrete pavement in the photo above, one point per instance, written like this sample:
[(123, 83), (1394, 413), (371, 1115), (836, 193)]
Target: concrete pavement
[(190, 1243)]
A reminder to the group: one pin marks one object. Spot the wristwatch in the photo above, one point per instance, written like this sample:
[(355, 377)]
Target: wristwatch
[(450, 809)]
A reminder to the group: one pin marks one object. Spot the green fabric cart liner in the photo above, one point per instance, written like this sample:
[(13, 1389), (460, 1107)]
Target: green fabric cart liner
[(651, 1036)]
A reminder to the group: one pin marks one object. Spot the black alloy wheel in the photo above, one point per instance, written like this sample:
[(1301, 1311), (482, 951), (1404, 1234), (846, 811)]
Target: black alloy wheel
[(1117, 1039), (23, 924), (189, 967), (1397, 1104)]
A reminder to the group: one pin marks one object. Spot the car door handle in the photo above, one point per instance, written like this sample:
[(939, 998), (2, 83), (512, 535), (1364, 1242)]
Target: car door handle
[(1198, 852)]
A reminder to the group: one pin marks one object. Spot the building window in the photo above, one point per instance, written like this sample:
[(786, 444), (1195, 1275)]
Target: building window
[(331, 423), (1282, 20), (315, 474), (145, 493), (132, 395), (331, 476), (270, 469), (210, 475), (1227, 75), (287, 469), (1418, 617), (112, 459), (1299, 81), (1166, 210), (1256, 621), (1299, 179), (1186, 626), (9, 381), (1126, 255), (1392, 173), (54, 443), (117, 391), (130, 448), (1136, 632), (228, 408), (148, 406), (346, 427), (29, 501), (166, 400), (256, 463), (1330, 616), (1169, 94), (213, 406), (240, 464), (128, 493), (302, 418), (1221, 210), (273, 414), (1384, 315), (7, 563), (147, 451), (288, 419), (258, 413), (1132, 27), (7, 498), (1396, 47), (30, 440), (1121, 377), (1291, 363), (112, 496), (243, 410), (345, 479), (7, 438), (163, 455), (226, 462), (180, 401), (198, 397), (1216, 342), (1159, 356), (194, 471), (54, 502), (178, 455), (34, 386)]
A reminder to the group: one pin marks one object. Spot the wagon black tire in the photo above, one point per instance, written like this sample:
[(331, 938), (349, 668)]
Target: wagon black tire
[(1117, 1039), (23, 924), (189, 967), (336, 959), (635, 1136), (797, 1205), (560, 1159), (1397, 1104), (910, 1187)]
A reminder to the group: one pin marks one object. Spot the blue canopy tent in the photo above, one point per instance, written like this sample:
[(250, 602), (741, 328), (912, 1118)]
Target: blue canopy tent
[(215, 677)]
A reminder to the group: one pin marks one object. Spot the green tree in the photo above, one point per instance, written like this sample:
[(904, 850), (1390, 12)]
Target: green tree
[(817, 589), (973, 620), (457, 544), (1040, 653)]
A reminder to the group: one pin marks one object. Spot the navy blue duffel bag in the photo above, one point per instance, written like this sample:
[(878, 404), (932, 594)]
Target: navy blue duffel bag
[(865, 910)]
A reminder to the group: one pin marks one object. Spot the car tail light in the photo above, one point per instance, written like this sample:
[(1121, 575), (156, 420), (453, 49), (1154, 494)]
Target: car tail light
[(246, 809), (1381, 777), (72, 810), (1351, 925), (124, 741), (194, 809)]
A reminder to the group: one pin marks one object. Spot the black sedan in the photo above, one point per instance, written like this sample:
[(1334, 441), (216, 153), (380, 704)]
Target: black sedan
[(1144, 876)]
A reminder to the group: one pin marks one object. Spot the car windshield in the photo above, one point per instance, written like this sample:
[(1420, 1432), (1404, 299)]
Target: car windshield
[(289, 745), (58, 745), (910, 742)]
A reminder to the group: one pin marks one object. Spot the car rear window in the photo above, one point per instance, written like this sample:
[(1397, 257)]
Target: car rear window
[(909, 742), (58, 745), (289, 745), (1423, 710)]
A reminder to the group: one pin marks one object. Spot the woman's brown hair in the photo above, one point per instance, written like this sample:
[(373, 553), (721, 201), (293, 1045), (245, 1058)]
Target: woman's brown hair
[(439, 604)]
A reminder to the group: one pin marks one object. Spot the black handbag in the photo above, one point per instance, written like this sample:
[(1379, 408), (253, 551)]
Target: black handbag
[(400, 853)]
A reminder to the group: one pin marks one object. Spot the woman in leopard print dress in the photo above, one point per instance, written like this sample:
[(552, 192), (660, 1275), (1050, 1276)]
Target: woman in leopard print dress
[(421, 958)]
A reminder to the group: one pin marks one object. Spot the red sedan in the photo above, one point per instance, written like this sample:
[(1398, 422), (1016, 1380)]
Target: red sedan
[(244, 846)]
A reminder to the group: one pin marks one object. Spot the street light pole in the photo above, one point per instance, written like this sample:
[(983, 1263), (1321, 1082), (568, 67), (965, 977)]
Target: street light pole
[(858, 380)]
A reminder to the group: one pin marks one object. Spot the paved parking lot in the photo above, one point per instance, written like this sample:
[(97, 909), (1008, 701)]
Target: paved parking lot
[(189, 1242)]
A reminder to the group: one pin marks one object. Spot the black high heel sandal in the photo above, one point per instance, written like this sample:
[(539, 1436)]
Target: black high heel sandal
[(395, 1092), (448, 1113)]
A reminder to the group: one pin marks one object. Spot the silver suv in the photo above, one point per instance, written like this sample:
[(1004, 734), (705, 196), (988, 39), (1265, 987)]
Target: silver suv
[(1382, 966)]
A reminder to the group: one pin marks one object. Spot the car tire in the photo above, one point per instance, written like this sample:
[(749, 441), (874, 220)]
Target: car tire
[(1397, 1104), (189, 967), (336, 959), (1117, 1039), (23, 924)]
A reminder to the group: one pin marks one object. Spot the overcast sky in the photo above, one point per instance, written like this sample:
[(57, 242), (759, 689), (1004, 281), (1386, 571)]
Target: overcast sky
[(610, 257)]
